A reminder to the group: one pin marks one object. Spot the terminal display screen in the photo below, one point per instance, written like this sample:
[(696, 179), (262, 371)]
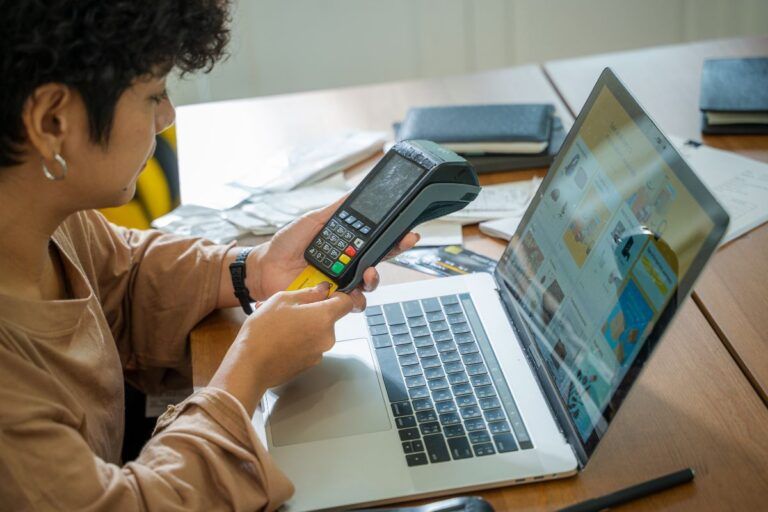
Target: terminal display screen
[(389, 185)]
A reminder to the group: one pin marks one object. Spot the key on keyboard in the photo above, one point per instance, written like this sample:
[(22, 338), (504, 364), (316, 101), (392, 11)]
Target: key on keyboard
[(422, 348)]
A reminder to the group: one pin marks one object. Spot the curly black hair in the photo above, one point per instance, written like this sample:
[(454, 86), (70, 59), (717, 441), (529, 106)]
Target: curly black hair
[(99, 48)]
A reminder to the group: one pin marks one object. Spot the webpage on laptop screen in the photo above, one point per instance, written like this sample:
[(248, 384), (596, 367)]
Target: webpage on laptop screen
[(612, 235)]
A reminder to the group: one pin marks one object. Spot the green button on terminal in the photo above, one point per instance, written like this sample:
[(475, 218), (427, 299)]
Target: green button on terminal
[(337, 268)]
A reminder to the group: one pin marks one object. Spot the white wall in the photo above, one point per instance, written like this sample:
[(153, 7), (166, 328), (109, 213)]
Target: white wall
[(282, 46)]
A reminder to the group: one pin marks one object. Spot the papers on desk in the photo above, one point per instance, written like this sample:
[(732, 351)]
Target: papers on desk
[(298, 166), (740, 184), (438, 232), (311, 162), (221, 197), (497, 202), (261, 214), (261, 201), (502, 228), (251, 205)]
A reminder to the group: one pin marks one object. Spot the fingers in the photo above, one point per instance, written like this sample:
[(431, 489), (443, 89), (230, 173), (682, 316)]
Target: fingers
[(358, 299), (340, 304), (323, 214), (308, 295), (370, 279), (334, 307), (408, 241), (405, 243)]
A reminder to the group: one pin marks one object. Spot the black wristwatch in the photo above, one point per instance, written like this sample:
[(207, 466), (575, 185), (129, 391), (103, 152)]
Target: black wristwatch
[(237, 271)]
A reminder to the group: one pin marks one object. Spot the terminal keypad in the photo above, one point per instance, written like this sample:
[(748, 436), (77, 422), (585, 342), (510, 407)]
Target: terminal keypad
[(338, 243)]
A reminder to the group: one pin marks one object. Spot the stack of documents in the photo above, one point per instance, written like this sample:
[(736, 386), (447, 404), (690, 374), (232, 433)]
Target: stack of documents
[(311, 162), (290, 184), (497, 202), (502, 228), (438, 233), (740, 184), (260, 214), (498, 209)]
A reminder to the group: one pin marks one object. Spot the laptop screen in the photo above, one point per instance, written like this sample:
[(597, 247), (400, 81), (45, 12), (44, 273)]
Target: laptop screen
[(609, 247)]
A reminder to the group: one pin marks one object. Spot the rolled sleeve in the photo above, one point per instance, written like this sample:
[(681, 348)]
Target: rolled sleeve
[(154, 288), (214, 433), (204, 456)]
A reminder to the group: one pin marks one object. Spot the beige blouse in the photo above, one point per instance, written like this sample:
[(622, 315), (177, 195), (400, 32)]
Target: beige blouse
[(62, 364)]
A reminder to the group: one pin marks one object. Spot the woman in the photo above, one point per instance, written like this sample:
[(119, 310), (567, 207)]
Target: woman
[(84, 304)]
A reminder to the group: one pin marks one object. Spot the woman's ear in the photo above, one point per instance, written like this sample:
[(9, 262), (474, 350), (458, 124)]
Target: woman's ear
[(46, 118)]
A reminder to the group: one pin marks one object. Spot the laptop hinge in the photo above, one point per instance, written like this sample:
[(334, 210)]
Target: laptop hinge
[(541, 373)]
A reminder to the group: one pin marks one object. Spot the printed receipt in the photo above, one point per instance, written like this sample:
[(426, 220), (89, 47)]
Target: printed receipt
[(740, 184)]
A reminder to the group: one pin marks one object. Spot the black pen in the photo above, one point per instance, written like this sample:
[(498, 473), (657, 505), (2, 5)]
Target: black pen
[(632, 493)]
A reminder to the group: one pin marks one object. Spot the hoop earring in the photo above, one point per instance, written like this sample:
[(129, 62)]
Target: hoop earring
[(64, 168)]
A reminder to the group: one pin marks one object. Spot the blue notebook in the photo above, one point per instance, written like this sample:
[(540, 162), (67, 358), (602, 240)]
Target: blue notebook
[(482, 129), (734, 96)]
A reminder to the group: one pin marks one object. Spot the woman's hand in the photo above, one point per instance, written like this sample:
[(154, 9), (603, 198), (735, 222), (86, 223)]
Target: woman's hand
[(282, 259), (286, 335)]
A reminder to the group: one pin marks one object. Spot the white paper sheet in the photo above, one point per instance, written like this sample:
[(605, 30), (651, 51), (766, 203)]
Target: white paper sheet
[(501, 228), (220, 197), (313, 161), (740, 184), (497, 202), (261, 214), (437, 232)]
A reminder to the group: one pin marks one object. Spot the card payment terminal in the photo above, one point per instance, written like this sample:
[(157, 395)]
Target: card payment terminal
[(414, 182)]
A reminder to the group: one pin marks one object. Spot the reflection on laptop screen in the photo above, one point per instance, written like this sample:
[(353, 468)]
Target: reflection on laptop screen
[(611, 236)]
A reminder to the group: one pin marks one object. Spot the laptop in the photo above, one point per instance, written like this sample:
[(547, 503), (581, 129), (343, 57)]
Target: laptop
[(477, 381)]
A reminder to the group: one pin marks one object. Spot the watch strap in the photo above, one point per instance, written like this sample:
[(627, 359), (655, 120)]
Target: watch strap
[(237, 272)]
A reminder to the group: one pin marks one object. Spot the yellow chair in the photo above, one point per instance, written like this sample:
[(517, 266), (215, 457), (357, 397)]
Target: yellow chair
[(157, 188)]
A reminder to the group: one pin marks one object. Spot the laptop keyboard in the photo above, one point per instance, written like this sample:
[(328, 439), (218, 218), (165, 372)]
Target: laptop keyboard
[(446, 390)]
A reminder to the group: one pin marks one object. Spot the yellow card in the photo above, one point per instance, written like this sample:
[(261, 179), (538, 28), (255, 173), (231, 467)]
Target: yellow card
[(310, 277)]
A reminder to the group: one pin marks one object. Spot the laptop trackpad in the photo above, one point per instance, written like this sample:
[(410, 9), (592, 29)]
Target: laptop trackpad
[(339, 397)]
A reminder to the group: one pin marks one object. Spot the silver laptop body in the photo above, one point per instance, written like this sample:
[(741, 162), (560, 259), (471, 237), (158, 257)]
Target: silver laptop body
[(477, 381)]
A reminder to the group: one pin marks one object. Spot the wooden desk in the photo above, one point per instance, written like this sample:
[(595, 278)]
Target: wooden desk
[(732, 292), (692, 406)]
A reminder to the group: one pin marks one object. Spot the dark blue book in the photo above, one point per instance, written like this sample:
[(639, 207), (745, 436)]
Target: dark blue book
[(734, 95), (482, 129), (496, 162)]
